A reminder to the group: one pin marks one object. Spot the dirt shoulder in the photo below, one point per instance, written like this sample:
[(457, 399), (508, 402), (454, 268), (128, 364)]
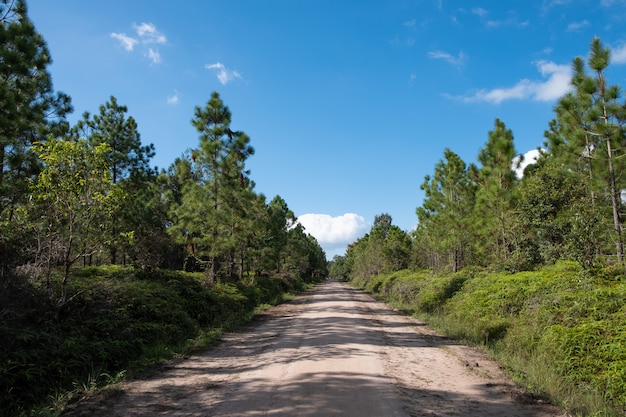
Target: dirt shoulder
[(331, 351)]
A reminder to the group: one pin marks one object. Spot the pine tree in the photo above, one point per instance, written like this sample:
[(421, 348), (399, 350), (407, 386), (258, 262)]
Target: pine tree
[(495, 195), (445, 213), (588, 136), (213, 216), (30, 108)]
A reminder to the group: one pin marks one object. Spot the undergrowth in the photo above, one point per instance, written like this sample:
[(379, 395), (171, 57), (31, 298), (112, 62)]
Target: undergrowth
[(559, 331), (120, 321)]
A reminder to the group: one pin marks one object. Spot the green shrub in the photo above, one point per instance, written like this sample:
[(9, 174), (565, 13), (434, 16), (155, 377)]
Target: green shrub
[(120, 320), (560, 331)]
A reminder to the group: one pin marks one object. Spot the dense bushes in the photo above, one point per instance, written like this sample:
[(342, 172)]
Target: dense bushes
[(120, 320), (559, 330)]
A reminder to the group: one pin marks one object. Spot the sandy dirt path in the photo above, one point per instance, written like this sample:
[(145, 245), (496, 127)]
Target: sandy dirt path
[(333, 351)]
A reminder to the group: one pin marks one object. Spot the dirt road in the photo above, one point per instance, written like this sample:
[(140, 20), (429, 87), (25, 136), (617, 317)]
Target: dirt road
[(333, 351)]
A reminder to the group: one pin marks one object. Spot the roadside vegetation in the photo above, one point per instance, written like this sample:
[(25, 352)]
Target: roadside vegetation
[(529, 266), (558, 331), (120, 321), (108, 264)]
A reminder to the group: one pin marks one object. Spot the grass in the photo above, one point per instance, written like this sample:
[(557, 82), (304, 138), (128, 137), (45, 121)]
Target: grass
[(558, 331), (121, 321)]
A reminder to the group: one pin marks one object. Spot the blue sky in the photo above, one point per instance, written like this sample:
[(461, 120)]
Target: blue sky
[(349, 104)]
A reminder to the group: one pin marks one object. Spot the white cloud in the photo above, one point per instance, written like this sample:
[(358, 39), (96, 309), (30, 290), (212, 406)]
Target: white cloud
[(174, 98), (149, 33), (619, 54), (574, 26), (127, 42), (530, 157), (479, 11), (223, 74), (450, 59), (410, 23), (557, 84), (153, 55), (334, 233), (509, 22)]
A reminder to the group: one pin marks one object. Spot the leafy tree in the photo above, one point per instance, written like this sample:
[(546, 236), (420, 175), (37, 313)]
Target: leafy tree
[(337, 268), (556, 218), (386, 248), (73, 201), (31, 110), (397, 249), (128, 160), (304, 257)]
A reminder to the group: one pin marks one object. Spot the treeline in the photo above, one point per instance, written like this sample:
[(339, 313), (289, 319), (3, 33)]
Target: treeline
[(87, 195), (568, 205)]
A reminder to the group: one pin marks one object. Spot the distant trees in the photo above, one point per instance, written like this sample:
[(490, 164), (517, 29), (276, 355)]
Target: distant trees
[(384, 249)]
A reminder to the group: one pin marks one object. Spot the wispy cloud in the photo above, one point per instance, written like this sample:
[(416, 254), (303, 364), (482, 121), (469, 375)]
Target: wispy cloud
[(574, 26), (146, 34), (153, 55), (410, 23), (556, 84), (511, 20), (224, 75), (479, 11), (449, 58), (618, 54), (174, 98), (125, 41)]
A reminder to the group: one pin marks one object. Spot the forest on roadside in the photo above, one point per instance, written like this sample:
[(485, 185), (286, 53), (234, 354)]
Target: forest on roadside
[(530, 267), (106, 263)]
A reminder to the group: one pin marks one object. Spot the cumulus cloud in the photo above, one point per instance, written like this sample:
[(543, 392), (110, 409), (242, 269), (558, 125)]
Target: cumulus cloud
[(530, 157), (556, 84), (334, 233), (224, 75), (450, 59), (147, 34)]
